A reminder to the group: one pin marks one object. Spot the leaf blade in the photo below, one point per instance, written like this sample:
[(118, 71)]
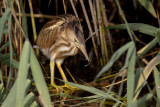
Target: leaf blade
[(147, 4), (22, 74), (39, 80), (114, 57)]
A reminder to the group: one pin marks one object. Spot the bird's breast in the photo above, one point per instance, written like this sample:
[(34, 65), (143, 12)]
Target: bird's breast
[(62, 50)]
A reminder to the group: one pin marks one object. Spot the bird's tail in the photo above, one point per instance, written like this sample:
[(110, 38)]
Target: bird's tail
[(35, 46)]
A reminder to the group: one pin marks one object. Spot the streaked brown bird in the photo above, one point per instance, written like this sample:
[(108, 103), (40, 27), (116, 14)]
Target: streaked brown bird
[(59, 38)]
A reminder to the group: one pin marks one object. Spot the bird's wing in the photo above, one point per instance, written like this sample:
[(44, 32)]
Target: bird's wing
[(48, 34)]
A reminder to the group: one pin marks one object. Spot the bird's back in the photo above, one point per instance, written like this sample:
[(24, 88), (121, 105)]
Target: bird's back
[(54, 28)]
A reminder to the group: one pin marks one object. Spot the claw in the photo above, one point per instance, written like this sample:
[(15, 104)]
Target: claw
[(68, 89), (59, 89)]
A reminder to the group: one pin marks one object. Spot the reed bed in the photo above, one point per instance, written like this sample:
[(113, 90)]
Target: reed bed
[(120, 74)]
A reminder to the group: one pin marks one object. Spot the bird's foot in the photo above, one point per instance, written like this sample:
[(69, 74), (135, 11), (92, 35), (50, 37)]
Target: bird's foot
[(68, 89), (59, 89)]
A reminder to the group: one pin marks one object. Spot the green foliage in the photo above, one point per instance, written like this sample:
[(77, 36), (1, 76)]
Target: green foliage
[(140, 27), (114, 58), (18, 91), (3, 20), (133, 89), (131, 75), (19, 94), (157, 83), (147, 4)]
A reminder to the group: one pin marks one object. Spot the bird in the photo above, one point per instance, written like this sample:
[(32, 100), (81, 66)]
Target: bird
[(59, 38)]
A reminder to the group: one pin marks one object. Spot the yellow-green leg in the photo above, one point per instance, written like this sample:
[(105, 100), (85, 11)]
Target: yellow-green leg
[(64, 77), (52, 66), (61, 72)]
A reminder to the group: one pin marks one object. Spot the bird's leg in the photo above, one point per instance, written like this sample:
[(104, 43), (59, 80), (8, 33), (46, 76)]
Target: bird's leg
[(61, 71), (64, 77), (52, 65)]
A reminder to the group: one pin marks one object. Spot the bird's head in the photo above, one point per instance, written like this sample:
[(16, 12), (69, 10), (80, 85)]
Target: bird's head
[(78, 39)]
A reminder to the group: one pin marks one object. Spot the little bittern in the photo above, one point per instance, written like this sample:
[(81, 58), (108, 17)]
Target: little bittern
[(59, 38)]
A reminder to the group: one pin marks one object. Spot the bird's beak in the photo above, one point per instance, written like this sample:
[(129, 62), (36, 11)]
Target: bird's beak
[(83, 49)]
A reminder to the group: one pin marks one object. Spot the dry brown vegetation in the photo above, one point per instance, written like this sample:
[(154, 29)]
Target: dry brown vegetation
[(124, 53)]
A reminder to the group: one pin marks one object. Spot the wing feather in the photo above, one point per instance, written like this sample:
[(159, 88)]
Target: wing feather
[(49, 33), (54, 28)]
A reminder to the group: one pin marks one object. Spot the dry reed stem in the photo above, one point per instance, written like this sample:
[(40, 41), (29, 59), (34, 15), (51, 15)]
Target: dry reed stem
[(17, 22), (37, 15), (65, 7), (20, 36), (104, 31), (105, 19), (93, 13), (20, 33), (15, 41), (33, 21), (106, 23), (89, 27), (75, 12), (116, 83), (102, 39)]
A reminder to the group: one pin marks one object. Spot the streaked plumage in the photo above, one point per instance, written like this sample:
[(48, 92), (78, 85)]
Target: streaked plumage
[(59, 38)]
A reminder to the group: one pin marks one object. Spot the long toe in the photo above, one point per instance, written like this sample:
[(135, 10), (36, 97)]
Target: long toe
[(68, 89), (59, 89)]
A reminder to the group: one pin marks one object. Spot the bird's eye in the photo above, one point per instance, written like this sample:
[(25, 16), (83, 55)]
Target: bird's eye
[(75, 41)]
